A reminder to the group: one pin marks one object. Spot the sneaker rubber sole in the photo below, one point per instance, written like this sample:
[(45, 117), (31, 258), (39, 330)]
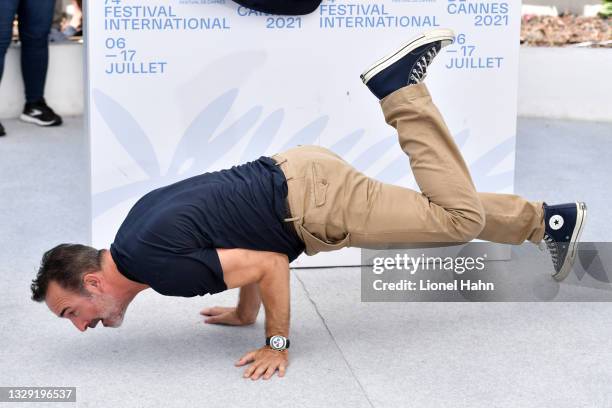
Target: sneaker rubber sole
[(573, 245), (446, 36), (30, 119)]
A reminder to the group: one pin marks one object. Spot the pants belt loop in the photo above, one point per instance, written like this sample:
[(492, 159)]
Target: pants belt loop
[(278, 163), (279, 160)]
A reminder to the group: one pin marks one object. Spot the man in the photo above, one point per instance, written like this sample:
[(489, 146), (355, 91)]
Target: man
[(35, 17), (242, 227)]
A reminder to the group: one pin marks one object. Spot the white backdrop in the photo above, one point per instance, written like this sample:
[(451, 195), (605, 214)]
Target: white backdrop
[(180, 87)]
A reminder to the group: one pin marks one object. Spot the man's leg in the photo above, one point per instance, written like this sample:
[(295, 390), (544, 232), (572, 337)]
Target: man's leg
[(333, 205), (444, 178), (508, 218), (511, 219), (448, 209), (441, 173)]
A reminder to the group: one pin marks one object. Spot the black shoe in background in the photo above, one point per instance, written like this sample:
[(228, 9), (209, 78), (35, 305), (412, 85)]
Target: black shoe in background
[(2, 132), (40, 114)]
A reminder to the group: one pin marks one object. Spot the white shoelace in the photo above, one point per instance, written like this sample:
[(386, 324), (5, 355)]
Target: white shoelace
[(419, 71), (551, 244)]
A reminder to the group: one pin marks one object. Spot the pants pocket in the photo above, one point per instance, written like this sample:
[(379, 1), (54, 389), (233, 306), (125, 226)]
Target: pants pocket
[(315, 245)]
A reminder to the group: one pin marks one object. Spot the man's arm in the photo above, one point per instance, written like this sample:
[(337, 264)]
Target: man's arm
[(249, 302), (269, 271)]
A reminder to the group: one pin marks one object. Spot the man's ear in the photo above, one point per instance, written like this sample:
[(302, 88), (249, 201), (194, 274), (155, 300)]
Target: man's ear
[(92, 282)]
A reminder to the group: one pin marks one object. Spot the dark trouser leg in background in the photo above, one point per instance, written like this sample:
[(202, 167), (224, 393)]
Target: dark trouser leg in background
[(8, 9), (35, 17)]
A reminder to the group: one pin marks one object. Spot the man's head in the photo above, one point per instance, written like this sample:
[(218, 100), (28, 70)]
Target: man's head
[(82, 284)]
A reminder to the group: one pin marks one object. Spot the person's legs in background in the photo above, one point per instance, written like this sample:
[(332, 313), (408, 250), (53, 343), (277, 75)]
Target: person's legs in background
[(35, 17), (8, 9)]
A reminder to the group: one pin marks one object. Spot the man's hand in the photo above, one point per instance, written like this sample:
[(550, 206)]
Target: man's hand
[(226, 315), (265, 362), (244, 314)]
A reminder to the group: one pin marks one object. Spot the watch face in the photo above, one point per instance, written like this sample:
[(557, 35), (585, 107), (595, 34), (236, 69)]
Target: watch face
[(278, 342)]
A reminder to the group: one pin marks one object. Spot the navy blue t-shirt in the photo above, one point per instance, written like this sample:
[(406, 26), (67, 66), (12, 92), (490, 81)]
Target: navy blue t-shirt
[(168, 238)]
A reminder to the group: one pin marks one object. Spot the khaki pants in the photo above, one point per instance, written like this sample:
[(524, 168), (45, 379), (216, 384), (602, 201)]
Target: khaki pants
[(333, 205)]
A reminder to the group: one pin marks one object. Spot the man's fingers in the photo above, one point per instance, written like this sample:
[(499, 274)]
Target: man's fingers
[(263, 365), (208, 311), (260, 370), (249, 370), (247, 358), (214, 319), (269, 372), (215, 310)]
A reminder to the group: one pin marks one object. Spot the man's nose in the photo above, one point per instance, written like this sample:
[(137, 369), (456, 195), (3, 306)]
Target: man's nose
[(81, 325)]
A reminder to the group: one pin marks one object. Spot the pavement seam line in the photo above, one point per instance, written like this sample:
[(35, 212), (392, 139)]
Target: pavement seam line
[(348, 365)]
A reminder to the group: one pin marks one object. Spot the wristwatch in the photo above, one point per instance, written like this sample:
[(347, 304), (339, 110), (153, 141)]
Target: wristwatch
[(278, 343)]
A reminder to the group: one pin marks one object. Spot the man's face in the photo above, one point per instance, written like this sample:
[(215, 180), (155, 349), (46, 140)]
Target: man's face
[(86, 310)]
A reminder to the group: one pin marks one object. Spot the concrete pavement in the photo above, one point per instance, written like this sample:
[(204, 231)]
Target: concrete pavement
[(344, 352)]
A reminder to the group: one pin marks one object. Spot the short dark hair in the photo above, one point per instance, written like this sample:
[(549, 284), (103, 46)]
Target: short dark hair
[(65, 264)]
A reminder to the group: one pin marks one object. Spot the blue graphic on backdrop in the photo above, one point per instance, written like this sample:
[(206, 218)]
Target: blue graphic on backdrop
[(199, 147)]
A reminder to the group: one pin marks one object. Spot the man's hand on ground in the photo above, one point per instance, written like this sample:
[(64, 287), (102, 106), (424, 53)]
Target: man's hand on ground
[(226, 315), (265, 362)]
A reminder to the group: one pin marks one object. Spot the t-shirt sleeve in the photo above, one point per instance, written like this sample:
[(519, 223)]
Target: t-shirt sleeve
[(193, 273)]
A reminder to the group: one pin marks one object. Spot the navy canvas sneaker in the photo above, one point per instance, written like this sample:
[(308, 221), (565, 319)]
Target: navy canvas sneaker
[(408, 65), (40, 114), (563, 225)]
